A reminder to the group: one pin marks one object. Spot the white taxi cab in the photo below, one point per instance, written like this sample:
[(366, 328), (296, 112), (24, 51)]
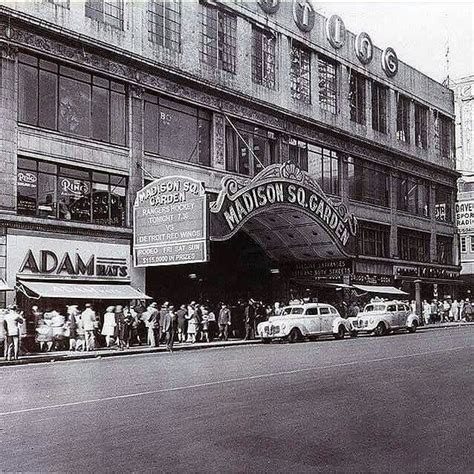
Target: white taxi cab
[(304, 320), (382, 317)]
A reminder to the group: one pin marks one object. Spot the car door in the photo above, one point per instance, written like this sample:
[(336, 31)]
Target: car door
[(402, 315), (312, 320), (326, 319), (392, 315)]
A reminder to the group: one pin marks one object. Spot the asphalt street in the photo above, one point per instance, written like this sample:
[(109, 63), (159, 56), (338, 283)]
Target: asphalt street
[(396, 403)]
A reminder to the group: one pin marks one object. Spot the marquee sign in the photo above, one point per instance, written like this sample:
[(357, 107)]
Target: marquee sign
[(170, 223), (279, 186)]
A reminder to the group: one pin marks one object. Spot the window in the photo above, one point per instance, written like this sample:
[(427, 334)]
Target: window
[(106, 11), (177, 131), (421, 127), (444, 204), (262, 142), (323, 165), (323, 310), (300, 73), (218, 48), (403, 118), (413, 245), (446, 137), (298, 153), (164, 23), (413, 195), (60, 3), (463, 244), (444, 249), (327, 70), (379, 107), (373, 239), (368, 182), (357, 97), (68, 100), (62, 192), (263, 58)]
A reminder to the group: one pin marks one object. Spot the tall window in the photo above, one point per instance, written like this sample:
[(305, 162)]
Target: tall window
[(261, 142), (69, 100), (323, 164), (463, 244), (379, 107), (218, 48), (421, 126), (357, 97), (368, 182), (444, 203), (446, 137), (54, 191), (106, 11), (177, 131), (300, 73), (164, 23), (403, 118), (413, 245), (298, 153), (413, 195), (327, 71), (374, 239), (263, 58), (444, 249)]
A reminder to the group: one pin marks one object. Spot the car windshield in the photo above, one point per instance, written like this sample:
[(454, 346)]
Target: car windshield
[(374, 307)]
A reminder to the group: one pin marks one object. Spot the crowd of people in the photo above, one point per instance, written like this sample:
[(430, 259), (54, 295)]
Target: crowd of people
[(121, 326)]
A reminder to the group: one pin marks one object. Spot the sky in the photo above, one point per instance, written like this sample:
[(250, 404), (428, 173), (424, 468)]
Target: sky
[(418, 31)]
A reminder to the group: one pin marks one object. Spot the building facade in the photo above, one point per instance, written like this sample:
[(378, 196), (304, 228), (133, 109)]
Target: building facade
[(97, 98)]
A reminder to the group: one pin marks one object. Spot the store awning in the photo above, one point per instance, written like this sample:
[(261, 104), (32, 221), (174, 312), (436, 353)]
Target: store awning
[(386, 290), (4, 286), (88, 291)]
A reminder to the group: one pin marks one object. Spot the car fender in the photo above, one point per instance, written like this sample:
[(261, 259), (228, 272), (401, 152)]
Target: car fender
[(411, 318), (303, 329), (338, 321)]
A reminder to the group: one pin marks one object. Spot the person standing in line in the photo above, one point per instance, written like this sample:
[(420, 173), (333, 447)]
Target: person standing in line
[(205, 324), (455, 310), (189, 317), (467, 311), (163, 312), (119, 327), (426, 307), (224, 321), (211, 324), (198, 321), (108, 327), (169, 327), (434, 311), (182, 323), (12, 321), (71, 326), (89, 322), (128, 326), (249, 314), (153, 321)]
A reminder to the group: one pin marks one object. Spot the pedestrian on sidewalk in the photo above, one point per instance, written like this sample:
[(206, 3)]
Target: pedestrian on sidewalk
[(128, 326), (120, 327), (3, 332), (426, 307), (163, 312), (205, 324), (455, 310), (71, 326), (153, 323), (58, 322), (90, 324), (249, 314), (182, 323), (169, 327), (467, 311), (12, 320), (109, 326), (224, 321), (434, 311)]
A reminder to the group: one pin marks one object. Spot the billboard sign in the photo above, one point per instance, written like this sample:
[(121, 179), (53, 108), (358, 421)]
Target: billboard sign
[(465, 216), (170, 223)]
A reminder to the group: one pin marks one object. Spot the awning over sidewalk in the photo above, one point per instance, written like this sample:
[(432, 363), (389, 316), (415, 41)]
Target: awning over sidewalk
[(4, 286), (386, 290), (89, 291)]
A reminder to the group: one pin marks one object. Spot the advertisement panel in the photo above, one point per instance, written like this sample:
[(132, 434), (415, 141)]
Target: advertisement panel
[(170, 223), (465, 216)]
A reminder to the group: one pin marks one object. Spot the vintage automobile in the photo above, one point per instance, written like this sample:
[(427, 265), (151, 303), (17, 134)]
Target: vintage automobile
[(297, 322), (382, 317)]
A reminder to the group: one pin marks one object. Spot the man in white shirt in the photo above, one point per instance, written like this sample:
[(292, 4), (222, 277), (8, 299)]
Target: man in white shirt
[(89, 322), (13, 322)]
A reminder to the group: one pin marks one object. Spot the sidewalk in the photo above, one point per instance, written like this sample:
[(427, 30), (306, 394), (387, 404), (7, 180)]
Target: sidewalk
[(105, 352)]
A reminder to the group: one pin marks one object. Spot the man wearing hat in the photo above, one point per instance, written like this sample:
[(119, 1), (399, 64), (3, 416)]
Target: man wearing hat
[(153, 323), (12, 321), (249, 313)]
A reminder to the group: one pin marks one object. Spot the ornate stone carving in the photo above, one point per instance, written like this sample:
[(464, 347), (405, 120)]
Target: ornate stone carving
[(8, 51), (219, 141)]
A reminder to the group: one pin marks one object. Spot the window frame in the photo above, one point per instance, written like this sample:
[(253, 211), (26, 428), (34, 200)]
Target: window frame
[(264, 57), (328, 84), (379, 107), (164, 23), (373, 235), (403, 118), (300, 72), (421, 126), (102, 11), (357, 97), (413, 245)]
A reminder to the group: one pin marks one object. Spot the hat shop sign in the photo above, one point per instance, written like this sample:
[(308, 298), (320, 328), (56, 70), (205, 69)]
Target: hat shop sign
[(170, 223)]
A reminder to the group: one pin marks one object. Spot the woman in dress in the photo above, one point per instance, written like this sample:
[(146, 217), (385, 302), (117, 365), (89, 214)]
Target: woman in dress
[(57, 322), (192, 323), (205, 323), (108, 328)]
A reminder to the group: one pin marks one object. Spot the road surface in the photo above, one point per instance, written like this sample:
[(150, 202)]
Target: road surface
[(396, 403)]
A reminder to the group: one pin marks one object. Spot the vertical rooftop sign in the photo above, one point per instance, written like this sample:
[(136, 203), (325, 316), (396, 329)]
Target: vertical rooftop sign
[(170, 223)]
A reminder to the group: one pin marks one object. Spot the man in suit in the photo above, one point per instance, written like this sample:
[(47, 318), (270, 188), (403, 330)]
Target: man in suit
[(224, 322), (249, 314), (153, 322), (168, 321)]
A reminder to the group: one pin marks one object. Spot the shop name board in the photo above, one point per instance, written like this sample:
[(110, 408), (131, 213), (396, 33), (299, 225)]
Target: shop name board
[(465, 215), (47, 262), (170, 223), (279, 186), (73, 187), (329, 270), (425, 272), (372, 279)]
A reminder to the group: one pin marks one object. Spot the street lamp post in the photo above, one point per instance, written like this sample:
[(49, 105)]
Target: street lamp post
[(419, 310)]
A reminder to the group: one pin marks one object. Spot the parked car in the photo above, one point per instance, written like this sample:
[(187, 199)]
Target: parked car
[(304, 320), (382, 317)]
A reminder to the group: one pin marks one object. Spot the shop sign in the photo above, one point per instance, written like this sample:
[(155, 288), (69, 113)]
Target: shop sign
[(269, 6), (279, 186), (369, 279), (364, 48), (440, 212), (390, 62), (331, 270), (425, 272), (304, 15), (73, 187), (61, 258), (27, 179), (170, 223), (336, 31), (465, 216), (405, 271)]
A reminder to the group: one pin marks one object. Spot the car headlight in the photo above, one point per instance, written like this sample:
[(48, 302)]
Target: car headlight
[(371, 320)]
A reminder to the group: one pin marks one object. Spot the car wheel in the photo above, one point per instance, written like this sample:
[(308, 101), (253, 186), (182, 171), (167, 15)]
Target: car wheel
[(412, 329), (340, 332), (380, 330), (295, 335), (353, 333)]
